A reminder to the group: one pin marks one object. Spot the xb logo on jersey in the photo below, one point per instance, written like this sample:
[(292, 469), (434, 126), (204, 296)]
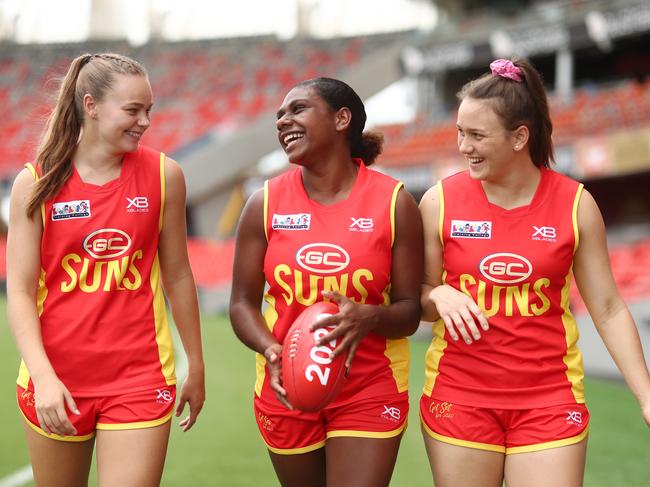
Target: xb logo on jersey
[(361, 225), (139, 204), (547, 234)]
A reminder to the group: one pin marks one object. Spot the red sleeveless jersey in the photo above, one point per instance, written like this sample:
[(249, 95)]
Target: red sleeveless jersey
[(516, 265), (344, 247), (100, 300)]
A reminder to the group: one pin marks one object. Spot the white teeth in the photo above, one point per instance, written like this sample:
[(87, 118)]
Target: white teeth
[(291, 137)]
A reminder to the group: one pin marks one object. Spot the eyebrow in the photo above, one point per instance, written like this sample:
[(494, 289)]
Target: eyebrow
[(137, 103), (281, 112)]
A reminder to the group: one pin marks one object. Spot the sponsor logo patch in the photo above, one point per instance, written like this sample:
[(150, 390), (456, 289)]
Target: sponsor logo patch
[(297, 221), (68, 210), (471, 229), (361, 225)]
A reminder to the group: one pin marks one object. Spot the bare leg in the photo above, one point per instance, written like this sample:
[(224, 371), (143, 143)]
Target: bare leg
[(132, 458), (458, 466), (559, 467), (300, 470), (59, 463), (361, 462)]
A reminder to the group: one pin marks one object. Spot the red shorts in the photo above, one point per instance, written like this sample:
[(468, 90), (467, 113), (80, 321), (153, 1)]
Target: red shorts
[(292, 432), (142, 409), (504, 430)]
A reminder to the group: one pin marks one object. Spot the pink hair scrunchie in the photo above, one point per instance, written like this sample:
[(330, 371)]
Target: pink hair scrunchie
[(505, 69)]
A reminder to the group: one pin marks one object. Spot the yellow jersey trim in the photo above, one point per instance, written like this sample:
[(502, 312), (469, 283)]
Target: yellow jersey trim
[(393, 204), (32, 169), (399, 356), (367, 434), (69, 439), (551, 444), (296, 451), (270, 317), (266, 208), (574, 217), (464, 443), (573, 358), (137, 425), (163, 188), (163, 333), (433, 356)]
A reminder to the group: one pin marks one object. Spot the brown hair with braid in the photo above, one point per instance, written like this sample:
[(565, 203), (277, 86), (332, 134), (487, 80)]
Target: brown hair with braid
[(88, 74)]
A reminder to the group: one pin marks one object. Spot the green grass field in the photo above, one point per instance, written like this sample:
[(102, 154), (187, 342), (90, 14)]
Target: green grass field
[(224, 448)]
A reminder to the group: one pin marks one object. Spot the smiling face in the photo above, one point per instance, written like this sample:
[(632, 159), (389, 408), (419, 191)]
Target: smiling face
[(124, 113), (486, 144), (306, 124)]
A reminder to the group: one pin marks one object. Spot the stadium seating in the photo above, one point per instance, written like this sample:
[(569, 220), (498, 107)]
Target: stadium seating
[(199, 87), (592, 112)]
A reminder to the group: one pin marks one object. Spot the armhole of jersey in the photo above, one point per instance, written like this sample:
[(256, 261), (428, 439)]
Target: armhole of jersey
[(32, 169), (393, 204), (266, 208), (574, 218), (162, 191), (441, 216)]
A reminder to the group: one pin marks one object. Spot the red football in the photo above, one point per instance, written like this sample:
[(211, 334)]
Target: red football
[(309, 374)]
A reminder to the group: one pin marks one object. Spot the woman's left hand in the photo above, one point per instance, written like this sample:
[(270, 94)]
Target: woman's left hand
[(353, 322), (192, 392)]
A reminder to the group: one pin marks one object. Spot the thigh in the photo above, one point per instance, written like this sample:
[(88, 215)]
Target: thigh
[(132, 457), (58, 462), (300, 469), (459, 466), (560, 467), (361, 462)]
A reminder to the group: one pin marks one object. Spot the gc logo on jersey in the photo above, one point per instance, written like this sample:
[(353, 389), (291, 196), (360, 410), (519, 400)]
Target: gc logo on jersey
[(322, 258), (107, 243), (505, 268)]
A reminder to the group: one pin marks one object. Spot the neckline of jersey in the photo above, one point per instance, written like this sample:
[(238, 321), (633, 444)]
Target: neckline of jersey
[(352, 197), (125, 172), (538, 198)]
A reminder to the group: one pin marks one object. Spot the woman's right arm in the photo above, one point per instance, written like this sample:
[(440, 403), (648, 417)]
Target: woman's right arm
[(248, 288), (23, 272), (457, 310)]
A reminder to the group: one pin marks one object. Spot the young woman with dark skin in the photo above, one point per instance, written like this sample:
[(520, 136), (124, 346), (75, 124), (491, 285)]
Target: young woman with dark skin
[(365, 236)]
